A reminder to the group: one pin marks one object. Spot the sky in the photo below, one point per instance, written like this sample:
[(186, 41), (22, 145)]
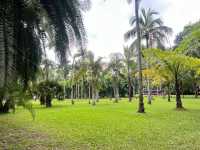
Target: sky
[(107, 21)]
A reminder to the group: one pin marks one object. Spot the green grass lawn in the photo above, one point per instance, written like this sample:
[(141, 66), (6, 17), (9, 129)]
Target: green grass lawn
[(105, 126)]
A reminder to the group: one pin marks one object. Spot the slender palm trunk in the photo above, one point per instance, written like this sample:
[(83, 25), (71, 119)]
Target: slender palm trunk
[(129, 85), (93, 95), (89, 94), (196, 90), (5, 53), (72, 86), (72, 95), (82, 85), (133, 90), (116, 92), (78, 91), (4, 107), (64, 91), (149, 97), (141, 103), (178, 93), (168, 93), (97, 95)]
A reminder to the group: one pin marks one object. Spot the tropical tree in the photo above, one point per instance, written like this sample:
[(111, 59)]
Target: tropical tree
[(21, 26), (47, 90), (152, 31), (187, 42), (78, 71), (175, 65), (130, 64), (115, 65), (94, 73), (139, 56)]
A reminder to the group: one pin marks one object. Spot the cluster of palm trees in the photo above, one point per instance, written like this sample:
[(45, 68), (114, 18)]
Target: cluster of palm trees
[(26, 26), (29, 27), (148, 28), (86, 72)]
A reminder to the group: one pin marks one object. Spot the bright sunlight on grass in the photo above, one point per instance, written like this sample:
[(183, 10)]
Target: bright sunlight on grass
[(105, 126)]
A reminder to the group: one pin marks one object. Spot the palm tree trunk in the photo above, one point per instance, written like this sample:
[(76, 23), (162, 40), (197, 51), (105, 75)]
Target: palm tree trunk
[(72, 95), (78, 91), (72, 86), (5, 53), (97, 95), (196, 90), (148, 80), (141, 103), (133, 88), (178, 93), (149, 91), (82, 85), (168, 92), (93, 95), (48, 100), (89, 94), (116, 93), (129, 86)]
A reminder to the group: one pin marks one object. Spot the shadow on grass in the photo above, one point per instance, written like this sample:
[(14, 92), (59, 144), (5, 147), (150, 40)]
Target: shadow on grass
[(52, 107)]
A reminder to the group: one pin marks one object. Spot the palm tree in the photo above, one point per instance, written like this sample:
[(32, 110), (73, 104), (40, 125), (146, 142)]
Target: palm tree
[(115, 65), (22, 23), (139, 61), (94, 73), (152, 30), (128, 53), (78, 71)]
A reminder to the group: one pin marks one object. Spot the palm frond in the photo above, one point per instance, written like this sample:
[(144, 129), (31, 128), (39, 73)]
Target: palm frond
[(130, 34)]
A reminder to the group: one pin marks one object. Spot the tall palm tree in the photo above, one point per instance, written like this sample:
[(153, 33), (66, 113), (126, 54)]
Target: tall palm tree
[(139, 55), (115, 65), (22, 23), (78, 70), (94, 72), (129, 61), (152, 30)]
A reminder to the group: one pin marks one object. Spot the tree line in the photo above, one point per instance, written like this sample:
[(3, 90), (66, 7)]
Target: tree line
[(29, 28)]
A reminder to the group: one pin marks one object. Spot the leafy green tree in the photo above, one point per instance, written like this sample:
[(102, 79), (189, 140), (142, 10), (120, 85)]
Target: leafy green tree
[(48, 90), (131, 66), (174, 65), (115, 65), (187, 42), (21, 26), (152, 31), (94, 72)]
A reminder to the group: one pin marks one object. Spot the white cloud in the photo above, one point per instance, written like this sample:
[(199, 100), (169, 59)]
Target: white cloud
[(107, 21)]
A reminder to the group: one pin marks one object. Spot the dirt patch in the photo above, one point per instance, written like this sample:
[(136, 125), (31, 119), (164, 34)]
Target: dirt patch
[(22, 139)]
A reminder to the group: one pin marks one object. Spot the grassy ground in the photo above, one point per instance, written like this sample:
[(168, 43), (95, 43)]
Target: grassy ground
[(105, 126)]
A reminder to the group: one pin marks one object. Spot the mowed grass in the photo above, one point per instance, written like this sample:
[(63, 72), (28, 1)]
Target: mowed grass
[(106, 126)]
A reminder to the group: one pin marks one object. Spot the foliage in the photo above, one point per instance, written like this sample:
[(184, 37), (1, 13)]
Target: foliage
[(172, 61), (152, 29), (25, 26), (161, 128), (190, 44), (49, 87)]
